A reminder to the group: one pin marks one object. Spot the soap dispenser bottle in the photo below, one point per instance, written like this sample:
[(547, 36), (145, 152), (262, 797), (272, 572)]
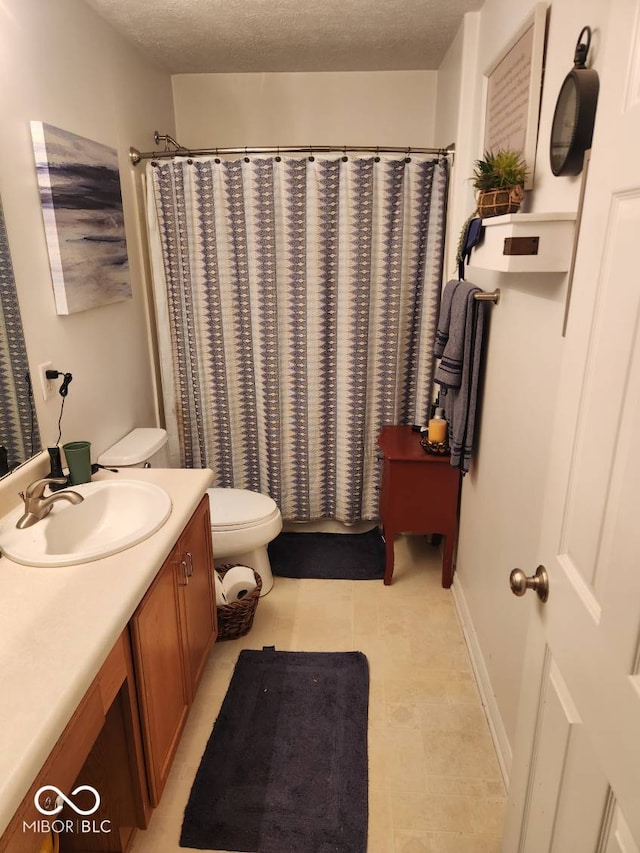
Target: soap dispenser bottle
[(437, 433)]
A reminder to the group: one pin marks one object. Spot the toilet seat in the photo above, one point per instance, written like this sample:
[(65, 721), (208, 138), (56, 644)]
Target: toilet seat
[(237, 509)]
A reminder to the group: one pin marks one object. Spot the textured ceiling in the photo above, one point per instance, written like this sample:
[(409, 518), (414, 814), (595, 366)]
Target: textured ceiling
[(186, 36)]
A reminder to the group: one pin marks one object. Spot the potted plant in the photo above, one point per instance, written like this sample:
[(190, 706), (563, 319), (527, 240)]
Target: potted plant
[(499, 178)]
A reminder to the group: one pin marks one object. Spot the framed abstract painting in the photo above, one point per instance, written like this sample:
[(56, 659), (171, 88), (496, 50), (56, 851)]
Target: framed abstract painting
[(79, 186)]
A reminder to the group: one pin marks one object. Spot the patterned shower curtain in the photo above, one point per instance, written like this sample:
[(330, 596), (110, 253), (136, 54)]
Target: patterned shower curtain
[(18, 429), (296, 302)]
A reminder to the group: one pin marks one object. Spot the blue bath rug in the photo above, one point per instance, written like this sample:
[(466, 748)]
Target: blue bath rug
[(285, 769), (329, 556)]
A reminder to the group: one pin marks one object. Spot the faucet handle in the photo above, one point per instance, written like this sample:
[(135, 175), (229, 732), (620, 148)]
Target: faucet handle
[(36, 489)]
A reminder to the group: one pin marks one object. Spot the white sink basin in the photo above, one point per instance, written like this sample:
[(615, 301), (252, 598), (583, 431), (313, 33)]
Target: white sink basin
[(114, 515)]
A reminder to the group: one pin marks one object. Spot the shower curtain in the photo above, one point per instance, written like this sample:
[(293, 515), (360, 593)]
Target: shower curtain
[(296, 302), (18, 427)]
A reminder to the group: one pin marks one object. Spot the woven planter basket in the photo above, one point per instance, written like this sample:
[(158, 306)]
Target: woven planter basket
[(499, 202), (235, 619)]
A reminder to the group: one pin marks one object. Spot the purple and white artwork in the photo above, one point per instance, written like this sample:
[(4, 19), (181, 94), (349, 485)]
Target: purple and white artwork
[(79, 186)]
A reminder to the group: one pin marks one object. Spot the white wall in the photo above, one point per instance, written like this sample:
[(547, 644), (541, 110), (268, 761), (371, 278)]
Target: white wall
[(343, 108), (502, 495), (448, 91), (61, 64), (455, 102)]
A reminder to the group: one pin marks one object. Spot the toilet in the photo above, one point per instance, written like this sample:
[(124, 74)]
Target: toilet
[(242, 522)]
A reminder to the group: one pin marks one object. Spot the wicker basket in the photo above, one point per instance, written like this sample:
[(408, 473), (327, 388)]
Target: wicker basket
[(499, 202), (235, 619)]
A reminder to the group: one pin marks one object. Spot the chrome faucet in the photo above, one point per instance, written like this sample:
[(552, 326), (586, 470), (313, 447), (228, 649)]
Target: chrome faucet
[(36, 507)]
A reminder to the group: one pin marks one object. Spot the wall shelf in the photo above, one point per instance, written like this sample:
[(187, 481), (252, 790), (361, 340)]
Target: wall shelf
[(526, 242)]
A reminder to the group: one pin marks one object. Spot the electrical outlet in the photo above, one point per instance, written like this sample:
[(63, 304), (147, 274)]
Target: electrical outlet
[(48, 388)]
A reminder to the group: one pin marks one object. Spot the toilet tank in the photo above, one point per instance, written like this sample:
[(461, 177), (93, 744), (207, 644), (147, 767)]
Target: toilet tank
[(144, 447)]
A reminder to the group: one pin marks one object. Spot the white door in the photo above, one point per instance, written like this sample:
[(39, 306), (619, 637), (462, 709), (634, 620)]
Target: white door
[(575, 785)]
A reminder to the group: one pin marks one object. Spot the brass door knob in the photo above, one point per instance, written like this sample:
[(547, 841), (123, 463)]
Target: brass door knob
[(520, 583)]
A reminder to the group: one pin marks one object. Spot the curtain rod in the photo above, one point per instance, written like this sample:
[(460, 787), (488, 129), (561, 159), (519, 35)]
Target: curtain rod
[(177, 150)]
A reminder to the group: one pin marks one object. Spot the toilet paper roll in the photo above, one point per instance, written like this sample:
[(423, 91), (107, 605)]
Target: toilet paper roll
[(221, 598), (238, 582)]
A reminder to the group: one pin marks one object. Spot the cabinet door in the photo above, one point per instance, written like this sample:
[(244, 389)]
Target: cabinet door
[(197, 598), (157, 645), (101, 747)]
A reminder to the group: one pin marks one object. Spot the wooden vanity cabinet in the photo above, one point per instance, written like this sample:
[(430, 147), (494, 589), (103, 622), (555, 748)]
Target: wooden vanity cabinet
[(123, 736), (173, 631), (101, 746), (198, 612)]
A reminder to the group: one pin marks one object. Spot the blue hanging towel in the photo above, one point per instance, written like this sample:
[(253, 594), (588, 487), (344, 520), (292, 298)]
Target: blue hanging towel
[(472, 236), (459, 346)]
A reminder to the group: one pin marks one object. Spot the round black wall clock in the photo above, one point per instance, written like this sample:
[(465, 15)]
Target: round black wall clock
[(575, 113)]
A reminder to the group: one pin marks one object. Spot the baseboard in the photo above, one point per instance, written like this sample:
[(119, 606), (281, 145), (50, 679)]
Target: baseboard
[(496, 727)]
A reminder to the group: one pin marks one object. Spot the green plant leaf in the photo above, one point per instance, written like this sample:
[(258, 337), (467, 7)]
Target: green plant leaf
[(502, 168)]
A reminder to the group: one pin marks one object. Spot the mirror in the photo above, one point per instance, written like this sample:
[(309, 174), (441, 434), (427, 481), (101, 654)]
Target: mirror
[(19, 432)]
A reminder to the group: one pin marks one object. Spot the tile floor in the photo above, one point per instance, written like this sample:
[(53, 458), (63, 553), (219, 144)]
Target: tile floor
[(434, 781)]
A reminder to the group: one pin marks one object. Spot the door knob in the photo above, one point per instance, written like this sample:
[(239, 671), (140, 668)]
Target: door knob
[(520, 583)]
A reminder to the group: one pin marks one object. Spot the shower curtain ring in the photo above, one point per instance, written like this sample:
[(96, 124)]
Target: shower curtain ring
[(311, 157), (217, 158), (246, 157), (344, 154), (377, 157), (278, 157), (407, 159)]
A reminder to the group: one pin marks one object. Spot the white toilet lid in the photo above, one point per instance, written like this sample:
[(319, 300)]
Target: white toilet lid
[(239, 507)]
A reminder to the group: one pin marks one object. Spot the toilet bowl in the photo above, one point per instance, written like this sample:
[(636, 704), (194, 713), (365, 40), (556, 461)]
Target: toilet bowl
[(242, 522), (242, 525)]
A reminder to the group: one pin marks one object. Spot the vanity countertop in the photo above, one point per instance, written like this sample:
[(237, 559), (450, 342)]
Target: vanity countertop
[(57, 626)]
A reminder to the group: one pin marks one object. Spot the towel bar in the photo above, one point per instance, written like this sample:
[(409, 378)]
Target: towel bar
[(488, 297)]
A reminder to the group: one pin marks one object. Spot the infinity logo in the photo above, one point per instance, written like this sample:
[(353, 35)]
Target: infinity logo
[(61, 799)]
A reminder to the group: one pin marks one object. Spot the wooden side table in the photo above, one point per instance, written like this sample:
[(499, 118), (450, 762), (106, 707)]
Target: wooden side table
[(419, 494)]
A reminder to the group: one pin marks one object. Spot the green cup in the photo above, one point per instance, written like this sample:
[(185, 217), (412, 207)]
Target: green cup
[(78, 454)]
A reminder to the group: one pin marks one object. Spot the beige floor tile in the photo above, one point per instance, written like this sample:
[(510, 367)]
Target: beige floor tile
[(403, 714), (394, 624), (460, 843), (462, 687), (452, 717), (366, 618), (412, 842), (401, 754), (441, 646), (388, 656), (488, 815), (463, 786), (459, 753), (423, 812), (424, 684), (380, 835), (377, 756), (377, 701), (434, 781)]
